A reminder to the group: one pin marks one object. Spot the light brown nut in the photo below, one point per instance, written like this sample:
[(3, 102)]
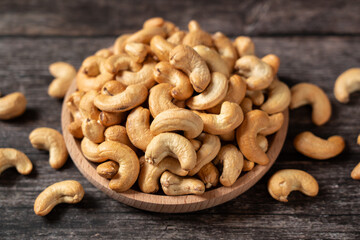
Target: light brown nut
[(257, 97), (120, 62), (104, 52), (12, 105), (213, 59), (107, 169), (307, 93), (188, 60), (197, 36), (209, 149), (232, 162), (230, 136), (108, 119), (279, 97), (196, 144), (226, 49), (112, 88), (138, 128), (283, 182), (118, 133), (69, 191), (73, 103), (129, 165), (169, 27), (176, 38), (246, 105), (273, 61), (10, 157), (212, 95), (93, 130), (119, 44), (51, 140), (275, 122), (90, 150), (358, 139), (137, 51), (87, 107), (174, 185), (317, 148), (173, 145), (244, 46), (236, 93), (144, 76), (177, 119), (146, 34), (209, 174), (347, 83), (262, 141), (161, 48), (64, 73), (248, 165), (160, 99), (165, 73), (255, 121), (230, 117), (133, 96), (355, 173), (149, 174)]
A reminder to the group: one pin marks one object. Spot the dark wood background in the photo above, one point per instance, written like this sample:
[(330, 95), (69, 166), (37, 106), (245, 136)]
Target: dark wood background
[(316, 41)]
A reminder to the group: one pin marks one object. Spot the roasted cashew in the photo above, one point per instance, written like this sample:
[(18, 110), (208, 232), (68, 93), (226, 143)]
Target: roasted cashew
[(64, 73), (248, 165), (188, 60), (108, 119), (283, 182), (138, 128), (197, 36), (161, 48), (279, 97), (177, 119), (107, 169), (275, 122), (230, 136), (118, 133), (273, 61), (262, 141), (10, 157), (87, 107), (173, 145), (257, 73), (129, 165), (246, 105), (176, 38), (212, 95), (93, 130), (244, 46), (209, 174), (196, 144), (355, 173), (209, 149), (69, 191), (90, 151), (230, 117), (146, 34), (347, 83), (307, 93), (169, 27), (119, 44), (226, 49), (120, 62), (174, 185), (112, 87), (133, 96), (160, 99), (314, 147), (73, 103), (149, 174), (165, 73), (51, 140), (232, 162), (213, 60), (257, 97), (137, 51), (12, 105), (105, 53)]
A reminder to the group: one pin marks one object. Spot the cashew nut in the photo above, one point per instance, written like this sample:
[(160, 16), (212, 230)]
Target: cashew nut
[(196, 144), (246, 105), (73, 104), (176, 38), (197, 36), (226, 49), (257, 97), (244, 46), (283, 182), (262, 141), (146, 34), (173, 145), (119, 44), (12, 105), (118, 133), (105, 53), (64, 73), (228, 137), (87, 107), (93, 130), (10, 157), (108, 119), (69, 191), (188, 60), (355, 173), (112, 87), (347, 83), (275, 122), (137, 51), (107, 169), (314, 147), (174, 185), (307, 93), (161, 48), (213, 59), (273, 61), (248, 165), (51, 140), (209, 174), (90, 151), (169, 27), (120, 62), (160, 99), (279, 97)]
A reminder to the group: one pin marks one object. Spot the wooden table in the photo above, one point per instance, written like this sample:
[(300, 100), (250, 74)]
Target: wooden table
[(316, 41)]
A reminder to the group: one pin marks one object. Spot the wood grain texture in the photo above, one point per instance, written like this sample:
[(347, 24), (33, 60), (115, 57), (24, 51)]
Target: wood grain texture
[(111, 17), (333, 214)]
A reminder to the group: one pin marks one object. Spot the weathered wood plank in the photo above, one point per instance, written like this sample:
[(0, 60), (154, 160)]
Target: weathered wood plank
[(111, 17)]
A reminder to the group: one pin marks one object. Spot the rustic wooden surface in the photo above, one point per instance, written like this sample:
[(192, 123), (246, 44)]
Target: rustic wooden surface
[(316, 41)]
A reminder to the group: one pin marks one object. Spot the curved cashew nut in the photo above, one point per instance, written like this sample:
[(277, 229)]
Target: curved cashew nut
[(146, 34), (197, 36), (133, 96), (120, 62), (69, 191), (160, 99), (91, 151), (73, 103), (258, 74), (105, 53), (188, 60), (119, 44), (112, 87), (314, 147), (246, 105), (87, 107), (212, 95), (10, 157), (307, 93), (51, 140), (248, 165), (213, 59), (275, 122), (347, 83), (174, 185), (108, 119), (209, 174), (273, 61), (226, 49), (209, 149), (93, 130), (279, 97), (177, 119), (12, 105), (161, 48), (283, 182), (355, 173), (138, 128), (107, 169), (257, 97), (244, 46), (230, 117), (64, 73), (232, 161), (137, 51), (118, 133), (169, 27), (173, 145), (129, 165), (176, 38), (165, 73)]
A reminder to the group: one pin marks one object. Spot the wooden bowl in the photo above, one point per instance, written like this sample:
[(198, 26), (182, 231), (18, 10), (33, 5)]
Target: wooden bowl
[(169, 204)]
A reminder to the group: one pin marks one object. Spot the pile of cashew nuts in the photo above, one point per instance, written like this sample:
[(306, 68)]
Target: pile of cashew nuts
[(184, 111)]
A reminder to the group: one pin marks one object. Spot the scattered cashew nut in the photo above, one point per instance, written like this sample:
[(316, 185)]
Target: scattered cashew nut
[(12, 105), (64, 73), (347, 83), (10, 157)]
